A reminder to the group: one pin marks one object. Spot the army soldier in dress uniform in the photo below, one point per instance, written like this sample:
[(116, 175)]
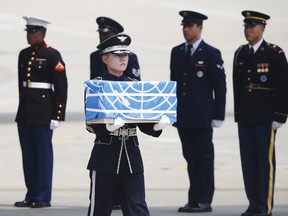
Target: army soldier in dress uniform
[(260, 77), (42, 86), (201, 94), (115, 160), (108, 27)]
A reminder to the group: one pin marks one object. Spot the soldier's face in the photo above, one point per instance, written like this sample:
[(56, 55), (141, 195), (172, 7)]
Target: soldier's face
[(254, 33), (192, 32), (34, 38), (116, 63)]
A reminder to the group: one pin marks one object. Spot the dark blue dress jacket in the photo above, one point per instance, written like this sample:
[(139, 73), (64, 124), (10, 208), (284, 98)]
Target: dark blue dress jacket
[(201, 86)]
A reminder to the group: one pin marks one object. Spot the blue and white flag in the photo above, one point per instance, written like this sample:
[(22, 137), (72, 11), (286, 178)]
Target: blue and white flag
[(142, 101)]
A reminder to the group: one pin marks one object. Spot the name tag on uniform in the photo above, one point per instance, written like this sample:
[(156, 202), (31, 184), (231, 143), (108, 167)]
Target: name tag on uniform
[(200, 64)]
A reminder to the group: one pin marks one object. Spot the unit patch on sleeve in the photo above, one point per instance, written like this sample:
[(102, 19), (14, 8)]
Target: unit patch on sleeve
[(59, 67)]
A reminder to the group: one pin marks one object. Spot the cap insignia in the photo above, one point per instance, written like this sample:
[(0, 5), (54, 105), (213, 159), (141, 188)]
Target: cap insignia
[(122, 38)]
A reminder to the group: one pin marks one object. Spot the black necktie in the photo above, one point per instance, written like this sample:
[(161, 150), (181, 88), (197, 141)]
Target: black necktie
[(251, 51), (188, 52)]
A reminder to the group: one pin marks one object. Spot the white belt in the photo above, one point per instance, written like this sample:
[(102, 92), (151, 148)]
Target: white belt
[(40, 85)]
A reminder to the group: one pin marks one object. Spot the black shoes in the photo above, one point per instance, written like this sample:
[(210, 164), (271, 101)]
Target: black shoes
[(40, 204), (246, 214), (23, 204), (200, 207), (255, 213), (32, 204)]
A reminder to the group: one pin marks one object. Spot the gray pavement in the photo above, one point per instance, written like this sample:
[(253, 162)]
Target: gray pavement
[(165, 172)]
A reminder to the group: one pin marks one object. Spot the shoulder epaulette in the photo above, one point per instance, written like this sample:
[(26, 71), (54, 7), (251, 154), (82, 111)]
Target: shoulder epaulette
[(275, 48), (240, 48), (237, 53), (51, 49)]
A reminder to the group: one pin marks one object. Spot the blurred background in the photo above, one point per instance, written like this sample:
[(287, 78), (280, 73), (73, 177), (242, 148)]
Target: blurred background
[(153, 25)]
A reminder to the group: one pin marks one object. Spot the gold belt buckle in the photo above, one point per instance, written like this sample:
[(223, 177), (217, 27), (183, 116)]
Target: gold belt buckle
[(252, 85), (28, 83)]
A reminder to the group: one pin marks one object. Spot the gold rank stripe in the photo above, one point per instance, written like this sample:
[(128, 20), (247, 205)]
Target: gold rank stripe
[(253, 17), (271, 174)]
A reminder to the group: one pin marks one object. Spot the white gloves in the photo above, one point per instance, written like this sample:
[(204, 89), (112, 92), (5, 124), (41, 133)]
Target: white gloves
[(163, 123), (118, 122), (54, 124), (276, 125), (217, 123)]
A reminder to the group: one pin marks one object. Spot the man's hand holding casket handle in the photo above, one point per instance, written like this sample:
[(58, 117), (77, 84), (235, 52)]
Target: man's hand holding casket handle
[(118, 122), (163, 123)]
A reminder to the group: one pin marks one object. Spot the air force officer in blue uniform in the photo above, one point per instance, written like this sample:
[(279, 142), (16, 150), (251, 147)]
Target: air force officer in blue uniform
[(201, 93)]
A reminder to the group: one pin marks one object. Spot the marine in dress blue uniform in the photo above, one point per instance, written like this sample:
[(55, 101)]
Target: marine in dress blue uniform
[(201, 97), (115, 162), (260, 77), (108, 27), (42, 87)]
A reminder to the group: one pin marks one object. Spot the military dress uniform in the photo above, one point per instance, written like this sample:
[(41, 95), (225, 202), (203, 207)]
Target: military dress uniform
[(260, 80), (42, 87), (115, 162), (201, 97), (108, 27)]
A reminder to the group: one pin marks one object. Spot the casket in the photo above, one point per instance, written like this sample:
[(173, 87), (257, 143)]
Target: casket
[(134, 102)]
